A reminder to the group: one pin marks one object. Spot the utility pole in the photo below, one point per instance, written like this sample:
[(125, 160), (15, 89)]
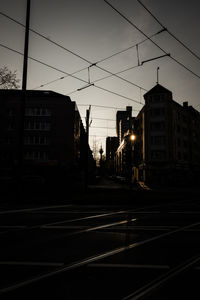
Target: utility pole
[(24, 85), (26, 43), (87, 146)]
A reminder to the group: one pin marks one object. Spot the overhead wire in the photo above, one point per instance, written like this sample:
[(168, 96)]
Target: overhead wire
[(104, 106), (43, 63), (143, 33), (177, 39), (66, 49), (68, 74), (130, 47), (112, 74), (117, 94), (101, 127)]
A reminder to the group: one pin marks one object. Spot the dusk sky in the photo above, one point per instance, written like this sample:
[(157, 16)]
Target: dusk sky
[(93, 31)]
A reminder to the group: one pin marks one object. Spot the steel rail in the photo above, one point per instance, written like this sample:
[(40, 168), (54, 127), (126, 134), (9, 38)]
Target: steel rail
[(163, 279), (91, 259)]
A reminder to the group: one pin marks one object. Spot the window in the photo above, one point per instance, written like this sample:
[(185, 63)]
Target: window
[(36, 140), (32, 125), (37, 111), (36, 155), (157, 155)]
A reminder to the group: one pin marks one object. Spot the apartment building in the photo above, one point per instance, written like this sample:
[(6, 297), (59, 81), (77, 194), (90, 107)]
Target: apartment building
[(168, 139), (53, 133)]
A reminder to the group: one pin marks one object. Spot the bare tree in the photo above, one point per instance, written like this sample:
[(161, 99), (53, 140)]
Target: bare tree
[(8, 79)]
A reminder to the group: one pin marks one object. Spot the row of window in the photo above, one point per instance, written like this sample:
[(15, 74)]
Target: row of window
[(36, 155), (32, 111), (37, 111), (34, 125), (36, 140), (31, 125), (161, 155)]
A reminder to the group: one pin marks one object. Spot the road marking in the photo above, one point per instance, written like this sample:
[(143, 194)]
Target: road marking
[(13, 226), (31, 263), (129, 266), (32, 209), (93, 259), (88, 229), (85, 218), (142, 292)]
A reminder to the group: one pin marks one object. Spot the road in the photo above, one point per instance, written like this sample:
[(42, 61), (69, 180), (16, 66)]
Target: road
[(101, 251)]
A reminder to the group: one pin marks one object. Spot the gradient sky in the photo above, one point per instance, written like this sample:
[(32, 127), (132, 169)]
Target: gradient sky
[(94, 31)]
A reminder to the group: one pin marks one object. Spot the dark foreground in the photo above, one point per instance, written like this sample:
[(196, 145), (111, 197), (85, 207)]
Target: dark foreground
[(108, 243)]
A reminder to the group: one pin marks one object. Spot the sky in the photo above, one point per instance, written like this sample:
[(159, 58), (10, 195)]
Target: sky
[(92, 32)]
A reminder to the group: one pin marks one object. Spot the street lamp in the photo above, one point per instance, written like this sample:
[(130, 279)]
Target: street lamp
[(132, 137)]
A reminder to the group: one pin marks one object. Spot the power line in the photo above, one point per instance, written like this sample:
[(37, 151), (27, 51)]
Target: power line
[(44, 37), (111, 74), (45, 64), (103, 127), (93, 135), (103, 119), (66, 49), (133, 46), (55, 80), (97, 80), (111, 92), (158, 21), (103, 106), (142, 32), (117, 94), (54, 68)]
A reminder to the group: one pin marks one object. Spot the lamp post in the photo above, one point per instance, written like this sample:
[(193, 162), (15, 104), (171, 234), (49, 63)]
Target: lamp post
[(87, 146), (132, 141)]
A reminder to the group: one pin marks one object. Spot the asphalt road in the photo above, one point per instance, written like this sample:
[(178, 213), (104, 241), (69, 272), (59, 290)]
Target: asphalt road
[(75, 251)]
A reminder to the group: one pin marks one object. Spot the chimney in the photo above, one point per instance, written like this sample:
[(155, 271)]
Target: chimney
[(185, 104)]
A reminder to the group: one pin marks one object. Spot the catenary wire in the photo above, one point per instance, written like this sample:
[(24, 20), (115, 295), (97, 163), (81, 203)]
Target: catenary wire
[(43, 63), (158, 21), (68, 50), (142, 32), (71, 75), (103, 78), (103, 106)]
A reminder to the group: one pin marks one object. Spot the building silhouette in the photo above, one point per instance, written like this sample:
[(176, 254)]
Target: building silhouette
[(167, 145), (123, 119), (111, 148), (53, 134)]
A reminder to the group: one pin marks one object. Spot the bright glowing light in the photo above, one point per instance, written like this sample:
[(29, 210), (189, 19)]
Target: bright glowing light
[(132, 137)]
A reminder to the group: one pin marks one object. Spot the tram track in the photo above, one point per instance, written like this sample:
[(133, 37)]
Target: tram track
[(96, 258)]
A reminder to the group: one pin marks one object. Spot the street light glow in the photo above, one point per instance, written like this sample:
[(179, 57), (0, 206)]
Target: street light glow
[(132, 137)]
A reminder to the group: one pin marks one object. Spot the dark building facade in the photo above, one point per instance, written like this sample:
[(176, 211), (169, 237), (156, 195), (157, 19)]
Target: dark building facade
[(167, 144), (53, 133), (168, 139), (111, 148), (123, 119)]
